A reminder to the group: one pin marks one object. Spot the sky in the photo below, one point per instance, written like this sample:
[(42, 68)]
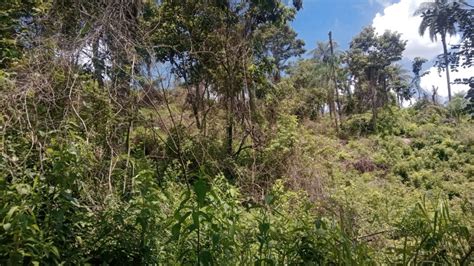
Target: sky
[(346, 18)]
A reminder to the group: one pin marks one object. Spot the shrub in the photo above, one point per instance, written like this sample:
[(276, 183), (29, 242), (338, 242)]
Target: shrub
[(431, 234), (358, 125)]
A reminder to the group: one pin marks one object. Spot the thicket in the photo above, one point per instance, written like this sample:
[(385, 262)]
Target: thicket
[(142, 133)]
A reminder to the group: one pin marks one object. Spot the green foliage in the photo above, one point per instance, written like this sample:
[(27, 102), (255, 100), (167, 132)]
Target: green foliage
[(41, 210), (286, 135), (358, 125), (457, 106), (433, 235), (470, 101), (13, 31), (369, 59), (207, 222), (104, 164), (440, 18)]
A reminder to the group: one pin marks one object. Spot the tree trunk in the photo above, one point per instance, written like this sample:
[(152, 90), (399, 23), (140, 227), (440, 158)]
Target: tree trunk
[(433, 96), (446, 62), (333, 110), (374, 98), (193, 97), (337, 113), (230, 125), (97, 62), (252, 97), (276, 76), (195, 103)]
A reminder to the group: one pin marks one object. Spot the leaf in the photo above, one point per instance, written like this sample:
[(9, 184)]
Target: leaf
[(23, 189), (264, 227), (191, 227), (201, 188), (187, 196), (205, 257), (184, 217), (264, 262), (10, 212), (55, 251), (7, 226), (175, 231), (35, 227), (269, 199), (196, 219), (320, 224)]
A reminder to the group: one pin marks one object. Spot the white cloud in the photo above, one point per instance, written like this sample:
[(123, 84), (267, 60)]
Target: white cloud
[(434, 78), (399, 17)]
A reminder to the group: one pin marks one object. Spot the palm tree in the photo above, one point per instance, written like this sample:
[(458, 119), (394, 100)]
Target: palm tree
[(325, 57), (438, 17), (322, 52)]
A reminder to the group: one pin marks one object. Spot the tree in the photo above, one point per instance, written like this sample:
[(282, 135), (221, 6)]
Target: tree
[(417, 65), (278, 43), (463, 53), (368, 59), (327, 62), (215, 42), (470, 99), (15, 19), (322, 52), (438, 17), (397, 80)]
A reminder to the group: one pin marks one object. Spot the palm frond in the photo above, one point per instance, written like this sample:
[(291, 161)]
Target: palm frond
[(433, 31), (425, 23), (424, 7)]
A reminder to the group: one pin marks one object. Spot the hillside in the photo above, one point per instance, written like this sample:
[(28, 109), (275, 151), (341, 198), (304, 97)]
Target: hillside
[(187, 133)]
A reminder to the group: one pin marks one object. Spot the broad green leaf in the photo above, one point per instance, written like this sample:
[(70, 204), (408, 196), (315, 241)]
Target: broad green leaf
[(201, 187)]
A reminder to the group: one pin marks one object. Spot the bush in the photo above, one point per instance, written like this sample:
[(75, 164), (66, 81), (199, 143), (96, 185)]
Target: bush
[(358, 125), (432, 235)]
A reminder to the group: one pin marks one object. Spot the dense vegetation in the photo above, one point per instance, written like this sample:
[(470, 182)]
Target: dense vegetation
[(182, 132)]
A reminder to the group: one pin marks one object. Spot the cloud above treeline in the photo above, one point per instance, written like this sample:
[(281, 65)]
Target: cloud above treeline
[(400, 17)]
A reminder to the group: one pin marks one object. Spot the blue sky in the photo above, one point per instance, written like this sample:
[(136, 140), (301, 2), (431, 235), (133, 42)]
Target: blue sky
[(345, 18)]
